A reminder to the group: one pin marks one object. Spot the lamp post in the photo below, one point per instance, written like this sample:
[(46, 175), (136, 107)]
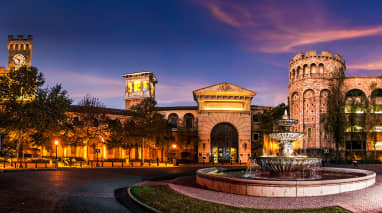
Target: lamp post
[(56, 143), (174, 160)]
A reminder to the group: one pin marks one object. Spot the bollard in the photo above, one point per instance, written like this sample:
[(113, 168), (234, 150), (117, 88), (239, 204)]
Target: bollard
[(122, 164), (112, 163), (149, 163), (231, 162), (4, 164), (15, 164), (36, 165), (157, 161), (240, 162), (131, 164), (46, 165), (102, 163), (25, 164)]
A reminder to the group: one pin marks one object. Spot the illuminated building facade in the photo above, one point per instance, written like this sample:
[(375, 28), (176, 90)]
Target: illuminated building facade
[(310, 76), (223, 124)]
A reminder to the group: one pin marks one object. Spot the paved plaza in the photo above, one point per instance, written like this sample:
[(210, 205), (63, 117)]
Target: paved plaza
[(94, 190), (72, 190)]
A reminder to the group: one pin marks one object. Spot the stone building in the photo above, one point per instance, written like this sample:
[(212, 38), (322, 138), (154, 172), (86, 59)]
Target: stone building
[(222, 120), (310, 75), (223, 124)]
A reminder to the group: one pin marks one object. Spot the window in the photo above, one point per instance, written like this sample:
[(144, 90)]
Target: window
[(189, 121), (152, 89), (144, 86), (137, 86), (130, 87), (255, 118), (173, 120), (255, 136)]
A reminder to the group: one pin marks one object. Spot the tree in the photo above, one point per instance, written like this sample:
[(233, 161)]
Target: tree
[(93, 117), (17, 91), (268, 118), (334, 120), (188, 136), (49, 115), (147, 122)]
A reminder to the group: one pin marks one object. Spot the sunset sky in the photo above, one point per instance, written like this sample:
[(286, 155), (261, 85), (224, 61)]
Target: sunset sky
[(188, 44)]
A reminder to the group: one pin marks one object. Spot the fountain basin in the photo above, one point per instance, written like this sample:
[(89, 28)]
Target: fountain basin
[(216, 178), (288, 164)]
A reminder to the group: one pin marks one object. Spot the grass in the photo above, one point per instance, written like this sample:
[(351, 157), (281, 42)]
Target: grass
[(164, 199)]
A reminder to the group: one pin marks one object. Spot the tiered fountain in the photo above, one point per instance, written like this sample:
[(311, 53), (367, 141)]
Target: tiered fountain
[(286, 175), (287, 165)]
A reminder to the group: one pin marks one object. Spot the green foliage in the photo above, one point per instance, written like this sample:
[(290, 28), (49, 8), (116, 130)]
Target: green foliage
[(20, 83), (147, 124), (334, 120), (17, 91), (49, 114), (90, 127), (268, 118), (28, 111)]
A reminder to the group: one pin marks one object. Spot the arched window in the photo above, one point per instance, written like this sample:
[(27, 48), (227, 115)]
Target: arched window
[(189, 121), (324, 95), (321, 68), (376, 101), (298, 72), (173, 120), (313, 68), (355, 101), (306, 71)]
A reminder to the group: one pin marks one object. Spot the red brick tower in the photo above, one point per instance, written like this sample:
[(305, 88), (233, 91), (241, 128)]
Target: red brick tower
[(309, 77)]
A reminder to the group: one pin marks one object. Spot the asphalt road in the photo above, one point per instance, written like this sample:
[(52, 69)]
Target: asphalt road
[(73, 190)]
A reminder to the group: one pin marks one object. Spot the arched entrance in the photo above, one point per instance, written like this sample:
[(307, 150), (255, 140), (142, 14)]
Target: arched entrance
[(224, 143)]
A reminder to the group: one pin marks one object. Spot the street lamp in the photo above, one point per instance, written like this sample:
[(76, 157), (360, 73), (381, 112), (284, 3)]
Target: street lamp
[(56, 143), (174, 146)]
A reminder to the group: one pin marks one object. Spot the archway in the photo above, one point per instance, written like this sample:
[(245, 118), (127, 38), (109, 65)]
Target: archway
[(224, 143)]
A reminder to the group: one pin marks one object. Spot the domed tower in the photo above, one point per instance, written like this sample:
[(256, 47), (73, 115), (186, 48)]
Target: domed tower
[(309, 78)]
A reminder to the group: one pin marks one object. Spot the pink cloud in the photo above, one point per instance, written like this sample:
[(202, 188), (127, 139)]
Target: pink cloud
[(372, 65), (281, 27), (81, 84)]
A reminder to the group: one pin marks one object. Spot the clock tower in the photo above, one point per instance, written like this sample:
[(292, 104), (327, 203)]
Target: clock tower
[(19, 51)]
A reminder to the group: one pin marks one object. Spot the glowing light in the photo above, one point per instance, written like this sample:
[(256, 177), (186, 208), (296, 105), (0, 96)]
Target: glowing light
[(56, 142), (174, 146), (378, 145)]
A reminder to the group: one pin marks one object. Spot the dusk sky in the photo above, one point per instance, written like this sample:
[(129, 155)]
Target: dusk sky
[(188, 44)]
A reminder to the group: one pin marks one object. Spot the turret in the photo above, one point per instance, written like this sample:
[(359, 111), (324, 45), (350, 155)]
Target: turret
[(315, 65), (138, 86)]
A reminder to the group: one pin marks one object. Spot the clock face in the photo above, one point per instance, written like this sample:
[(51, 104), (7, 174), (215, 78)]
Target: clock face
[(18, 60)]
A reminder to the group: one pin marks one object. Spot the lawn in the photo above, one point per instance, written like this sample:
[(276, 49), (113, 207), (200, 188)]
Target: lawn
[(164, 199)]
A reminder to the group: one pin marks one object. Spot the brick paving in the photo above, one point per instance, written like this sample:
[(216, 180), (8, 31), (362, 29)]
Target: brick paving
[(365, 200)]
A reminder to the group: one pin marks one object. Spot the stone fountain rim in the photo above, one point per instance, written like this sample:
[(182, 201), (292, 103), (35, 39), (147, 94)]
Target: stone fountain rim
[(368, 175)]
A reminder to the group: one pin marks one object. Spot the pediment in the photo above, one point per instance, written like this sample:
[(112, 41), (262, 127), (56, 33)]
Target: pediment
[(224, 88)]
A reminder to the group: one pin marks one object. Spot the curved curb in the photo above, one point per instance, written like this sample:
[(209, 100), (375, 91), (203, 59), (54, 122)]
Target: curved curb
[(141, 203)]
